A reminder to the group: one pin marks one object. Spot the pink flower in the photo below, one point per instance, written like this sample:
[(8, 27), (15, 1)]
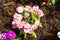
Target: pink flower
[(17, 17), (35, 8), (35, 25), (28, 18), (19, 9), (22, 25), (16, 20), (36, 22), (28, 8), (26, 15), (29, 31), (31, 10), (26, 27), (40, 13), (15, 24)]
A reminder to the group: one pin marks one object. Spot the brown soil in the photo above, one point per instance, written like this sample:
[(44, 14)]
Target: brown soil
[(51, 19)]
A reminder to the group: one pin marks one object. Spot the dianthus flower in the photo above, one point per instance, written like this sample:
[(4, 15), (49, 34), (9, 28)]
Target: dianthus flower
[(26, 27), (19, 9), (40, 13), (17, 17), (9, 35), (28, 8), (35, 25), (26, 15), (4, 36)]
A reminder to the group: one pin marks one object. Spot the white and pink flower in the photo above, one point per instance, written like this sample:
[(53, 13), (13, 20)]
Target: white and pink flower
[(15, 24), (35, 8), (17, 17), (28, 8), (26, 27), (16, 20), (35, 25), (40, 13), (19, 9), (26, 15)]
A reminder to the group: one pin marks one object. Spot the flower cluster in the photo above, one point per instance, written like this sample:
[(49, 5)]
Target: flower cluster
[(9, 35), (28, 8), (28, 19)]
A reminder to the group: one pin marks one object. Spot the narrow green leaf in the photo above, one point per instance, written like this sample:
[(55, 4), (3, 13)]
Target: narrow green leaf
[(25, 35), (40, 24), (34, 34)]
